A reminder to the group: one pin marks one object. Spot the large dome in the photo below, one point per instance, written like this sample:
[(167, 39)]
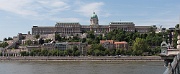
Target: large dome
[(94, 15)]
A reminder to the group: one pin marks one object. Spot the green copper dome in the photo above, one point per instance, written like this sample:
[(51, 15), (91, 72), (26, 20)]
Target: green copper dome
[(94, 15)]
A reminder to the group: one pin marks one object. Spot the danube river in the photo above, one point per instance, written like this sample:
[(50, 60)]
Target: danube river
[(47, 67)]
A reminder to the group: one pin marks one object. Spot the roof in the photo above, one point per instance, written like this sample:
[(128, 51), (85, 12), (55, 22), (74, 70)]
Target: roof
[(44, 27), (68, 22), (143, 26), (122, 42), (119, 23), (103, 41), (94, 15)]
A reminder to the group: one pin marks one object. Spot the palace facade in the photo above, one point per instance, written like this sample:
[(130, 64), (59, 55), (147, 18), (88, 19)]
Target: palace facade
[(75, 28)]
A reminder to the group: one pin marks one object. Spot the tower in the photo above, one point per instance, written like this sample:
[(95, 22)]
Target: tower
[(94, 19), (94, 22)]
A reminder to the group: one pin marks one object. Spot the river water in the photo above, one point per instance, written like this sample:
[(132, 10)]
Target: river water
[(43, 67)]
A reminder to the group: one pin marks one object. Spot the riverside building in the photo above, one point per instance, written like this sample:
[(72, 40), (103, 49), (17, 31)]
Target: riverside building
[(75, 28)]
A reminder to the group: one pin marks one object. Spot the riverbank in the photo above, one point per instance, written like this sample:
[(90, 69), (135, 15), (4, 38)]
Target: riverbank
[(82, 58)]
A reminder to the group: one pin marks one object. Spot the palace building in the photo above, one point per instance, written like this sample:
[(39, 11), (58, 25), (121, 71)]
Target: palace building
[(75, 28)]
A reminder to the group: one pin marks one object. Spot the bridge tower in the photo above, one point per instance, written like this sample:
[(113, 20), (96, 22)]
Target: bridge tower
[(168, 52)]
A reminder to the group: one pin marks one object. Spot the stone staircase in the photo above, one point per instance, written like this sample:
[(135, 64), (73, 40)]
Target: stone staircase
[(12, 44)]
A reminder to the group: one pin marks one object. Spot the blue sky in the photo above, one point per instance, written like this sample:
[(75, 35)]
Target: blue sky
[(18, 16)]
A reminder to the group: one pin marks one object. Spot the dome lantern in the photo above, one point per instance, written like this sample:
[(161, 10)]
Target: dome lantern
[(94, 15)]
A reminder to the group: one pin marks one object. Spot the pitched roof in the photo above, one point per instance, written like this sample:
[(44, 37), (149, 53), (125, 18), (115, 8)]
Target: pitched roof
[(103, 41), (122, 42)]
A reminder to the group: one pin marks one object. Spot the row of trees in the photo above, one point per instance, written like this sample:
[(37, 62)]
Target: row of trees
[(153, 39), (54, 52), (69, 39), (140, 47), (9, 38), (139, 44)]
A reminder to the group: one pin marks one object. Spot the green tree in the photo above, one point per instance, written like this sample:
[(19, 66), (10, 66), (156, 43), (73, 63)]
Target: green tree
[(37, 36), (83, 40), (140, 46), (4, 44), (58, 37), (69, 52), (75, 51), (5, 39), (41, 41), (107, 52), (24, 53), (28, 42), (61, 53), (113, 52), (177, 26), (44, 52), (97, 52), (90, 34), (10, 38), (90, 51), (47, 40), (118, 52)]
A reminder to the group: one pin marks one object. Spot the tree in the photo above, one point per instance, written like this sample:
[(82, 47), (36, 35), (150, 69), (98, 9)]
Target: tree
[(90, 34), (41, 41), (107, 52), (37, 36), (75, 48), (44, 52), (5, 39), (10, 38), (140, 46), (58, 37), (4, 44), (90, 51), (118, 52), (75, 51), (83, 40), (97, 52), (47, 40), (24, 53), (177, 26), (61, 53), (28, 42), (69, 52), (113, 52)]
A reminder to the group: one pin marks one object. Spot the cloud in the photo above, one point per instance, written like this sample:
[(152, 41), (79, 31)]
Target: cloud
[(53, 6), (16, 6), (88, 9), (107, 14), (66, 19), (160, 21), (53, 9), (33, 7)]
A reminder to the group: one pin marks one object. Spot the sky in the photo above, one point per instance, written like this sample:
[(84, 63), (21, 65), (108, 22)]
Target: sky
[(18, 16)]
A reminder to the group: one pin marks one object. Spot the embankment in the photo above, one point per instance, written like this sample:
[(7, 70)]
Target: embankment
[(83, 58)]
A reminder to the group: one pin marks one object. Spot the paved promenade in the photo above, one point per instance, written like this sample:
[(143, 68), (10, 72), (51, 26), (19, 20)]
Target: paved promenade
[(82, 58)]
